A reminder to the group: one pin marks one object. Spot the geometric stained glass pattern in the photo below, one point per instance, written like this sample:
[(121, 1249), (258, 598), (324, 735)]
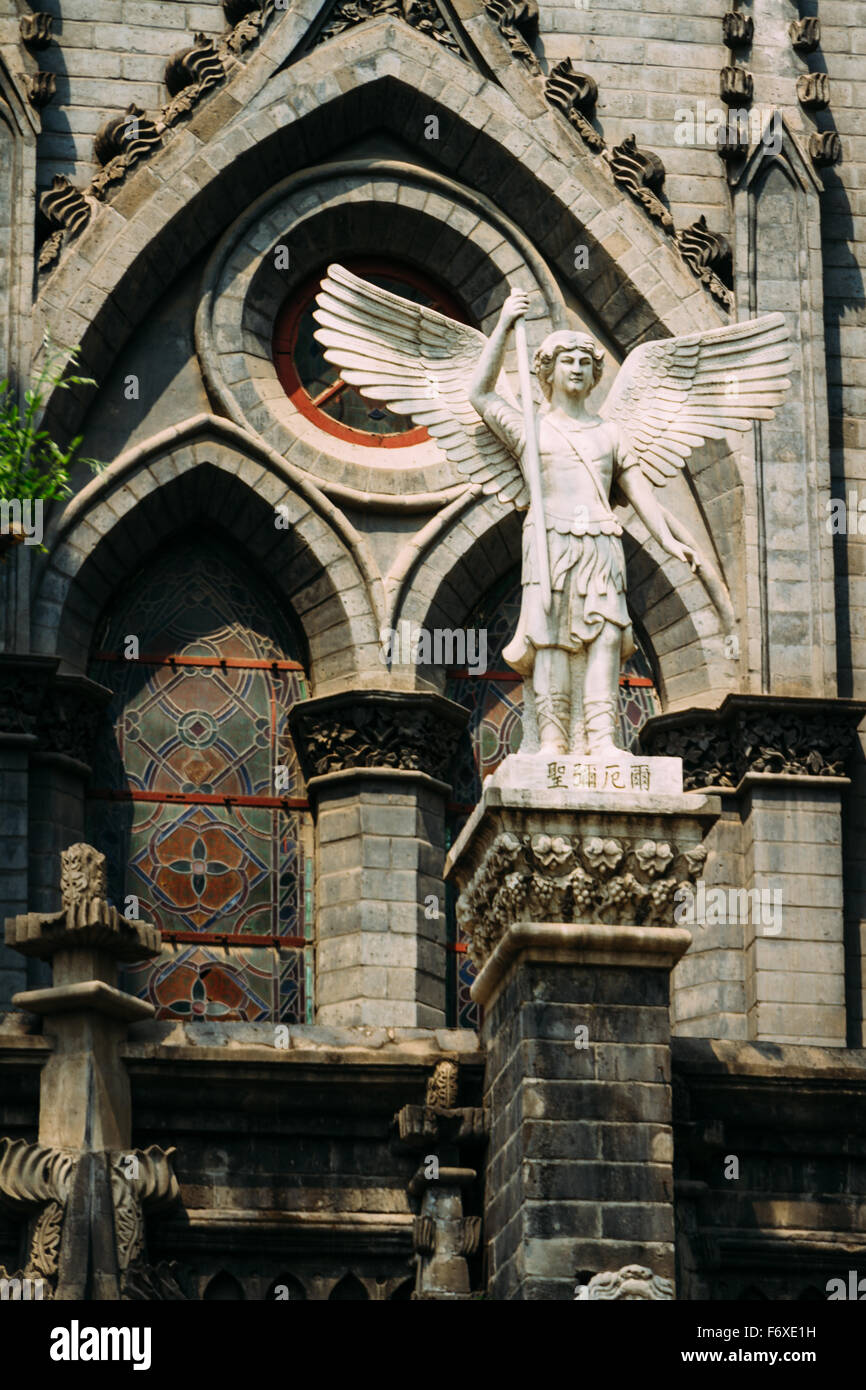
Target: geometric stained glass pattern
[(495, 729), (197, 798)]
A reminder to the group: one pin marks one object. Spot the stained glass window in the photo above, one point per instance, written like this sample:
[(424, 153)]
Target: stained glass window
[(196, 796), (315, 386), (495, 729)]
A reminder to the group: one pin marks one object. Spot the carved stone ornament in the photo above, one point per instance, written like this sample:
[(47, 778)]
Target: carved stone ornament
[(630, 1283), (736, 86), (35, 29), (377, 729), (813, 90), (708, 255), (198, 66), (35, 1182), (142, 1181), (575, 94), (812, 738), (86, 918), (805, 34), (737, 29), (41, 88), (423, 15), (825, 148), (642, 174), (442, 1086), (570, 878), (66, 206), (517, 22), (120, 143)]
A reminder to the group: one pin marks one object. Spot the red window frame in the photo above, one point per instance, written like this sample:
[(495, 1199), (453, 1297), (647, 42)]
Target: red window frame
[(285, 337)]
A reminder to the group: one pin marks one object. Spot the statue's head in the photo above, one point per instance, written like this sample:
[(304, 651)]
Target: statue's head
[(554, 345)]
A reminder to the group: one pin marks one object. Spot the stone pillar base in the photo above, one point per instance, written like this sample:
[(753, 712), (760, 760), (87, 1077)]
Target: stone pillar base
[(568, 900)]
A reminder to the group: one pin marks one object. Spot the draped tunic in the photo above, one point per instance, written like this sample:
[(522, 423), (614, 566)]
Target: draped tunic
[(579, 466)]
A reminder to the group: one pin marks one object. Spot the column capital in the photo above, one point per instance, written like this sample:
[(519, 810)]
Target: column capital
[(757, 734), (409, 731)]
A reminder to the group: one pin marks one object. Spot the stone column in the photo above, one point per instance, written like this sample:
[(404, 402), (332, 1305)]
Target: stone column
[(82, 1186), (781, 765), (376, 765), (568, 898)]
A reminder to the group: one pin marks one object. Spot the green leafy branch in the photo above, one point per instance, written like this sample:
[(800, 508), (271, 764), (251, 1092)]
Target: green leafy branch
[(32, 464)]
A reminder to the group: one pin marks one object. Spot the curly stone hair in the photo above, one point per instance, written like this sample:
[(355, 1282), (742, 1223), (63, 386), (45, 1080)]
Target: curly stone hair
[(566, 340)]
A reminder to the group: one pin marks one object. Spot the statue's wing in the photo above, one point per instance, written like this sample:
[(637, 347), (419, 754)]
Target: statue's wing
[(419, 363), (673, 394)]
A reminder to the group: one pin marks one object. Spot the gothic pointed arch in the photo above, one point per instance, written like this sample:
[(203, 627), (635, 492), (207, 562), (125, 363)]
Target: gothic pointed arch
[(391, 78), (209, 471)]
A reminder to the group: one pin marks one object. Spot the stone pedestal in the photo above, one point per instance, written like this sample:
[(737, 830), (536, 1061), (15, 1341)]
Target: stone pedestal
[(568, 899)]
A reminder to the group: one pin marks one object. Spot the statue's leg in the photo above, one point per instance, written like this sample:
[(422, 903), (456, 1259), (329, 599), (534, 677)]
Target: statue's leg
[(601, 690), (552, 699), (577, 737)]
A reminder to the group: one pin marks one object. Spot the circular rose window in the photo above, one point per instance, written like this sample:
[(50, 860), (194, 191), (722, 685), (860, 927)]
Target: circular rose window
[(314, 386)]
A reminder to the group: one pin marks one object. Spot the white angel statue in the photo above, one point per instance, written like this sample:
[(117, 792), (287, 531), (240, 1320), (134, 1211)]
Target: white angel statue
[(670, 395)]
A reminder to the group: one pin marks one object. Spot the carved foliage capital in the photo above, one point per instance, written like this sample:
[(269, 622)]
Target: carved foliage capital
[(572, 878), (812, 738), (377, 729)]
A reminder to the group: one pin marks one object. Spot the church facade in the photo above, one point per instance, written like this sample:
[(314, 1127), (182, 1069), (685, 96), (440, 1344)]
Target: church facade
[(268, 1024)]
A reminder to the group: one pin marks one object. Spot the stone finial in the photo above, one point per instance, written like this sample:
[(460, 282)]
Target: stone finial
[(442, 1086), (83, 877), (642, 173), (575, 94), (737, 29), (198, 66), (35, 29), (813, 90), (86, 919), (131, 134), (736, 86), (630, 1283), (805, 34), (708, 255), (825, 148), (517, 22), (65, 206), (41, 87)]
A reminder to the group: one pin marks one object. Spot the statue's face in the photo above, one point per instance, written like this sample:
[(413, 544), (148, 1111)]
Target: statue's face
[(572, 374)]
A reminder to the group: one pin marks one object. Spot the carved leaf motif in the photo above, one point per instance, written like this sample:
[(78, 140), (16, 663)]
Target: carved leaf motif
[(45, 1242)]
